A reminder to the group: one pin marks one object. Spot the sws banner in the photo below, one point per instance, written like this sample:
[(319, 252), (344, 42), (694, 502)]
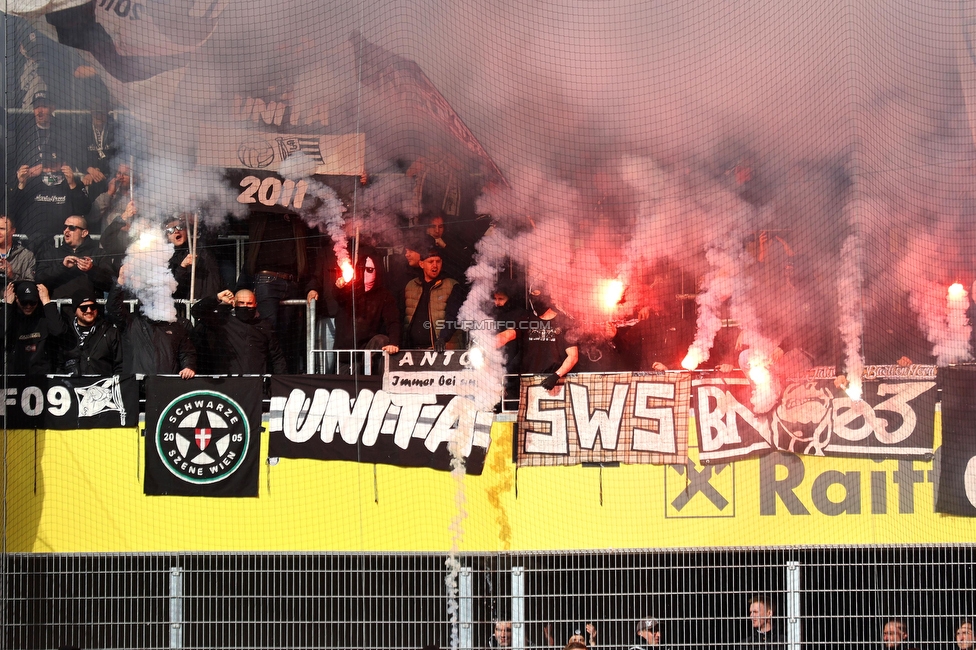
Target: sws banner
[(374, 426), (47, 402), (895, 416), (203, 436), (632, 418)]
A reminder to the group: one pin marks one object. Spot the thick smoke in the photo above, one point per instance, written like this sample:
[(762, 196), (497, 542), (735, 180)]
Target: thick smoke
[(636, 134)]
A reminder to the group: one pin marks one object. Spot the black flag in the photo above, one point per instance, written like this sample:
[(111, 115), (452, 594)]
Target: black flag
[(956, 491), (203, 436)]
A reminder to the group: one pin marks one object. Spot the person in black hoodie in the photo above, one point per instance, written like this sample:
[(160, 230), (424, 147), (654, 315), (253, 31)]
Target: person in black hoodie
[(246, 342), (90, 345), (368, 318)]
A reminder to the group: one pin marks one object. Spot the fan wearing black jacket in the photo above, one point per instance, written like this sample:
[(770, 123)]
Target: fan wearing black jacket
[(246, 342), (90, 345)]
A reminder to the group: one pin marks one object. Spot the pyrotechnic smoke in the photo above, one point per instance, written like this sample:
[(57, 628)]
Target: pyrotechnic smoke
[(633, 133), (851, 315), (757, 357), (382, 204), (324, 215), (491, 375), (147, 273), (944, 321), (716, 290)]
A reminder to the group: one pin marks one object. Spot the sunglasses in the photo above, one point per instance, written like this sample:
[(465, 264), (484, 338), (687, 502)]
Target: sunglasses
[(73, 228), (88, 307), (175, 229)]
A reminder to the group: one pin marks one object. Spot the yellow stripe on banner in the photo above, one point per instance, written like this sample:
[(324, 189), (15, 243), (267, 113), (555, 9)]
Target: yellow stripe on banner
[(81, 491)]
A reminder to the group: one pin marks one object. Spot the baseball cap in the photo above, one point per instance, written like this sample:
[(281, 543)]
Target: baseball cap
[(433, 252), (26, 291), (41, 99), (649, 623)]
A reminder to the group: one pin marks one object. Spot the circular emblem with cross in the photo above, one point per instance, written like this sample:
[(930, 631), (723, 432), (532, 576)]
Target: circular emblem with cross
[(202, 437)]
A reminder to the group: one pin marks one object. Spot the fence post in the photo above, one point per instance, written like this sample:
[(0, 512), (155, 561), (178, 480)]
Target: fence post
[(310, 337), (465, 609), (793, 605), (175, 607), (518, 607)]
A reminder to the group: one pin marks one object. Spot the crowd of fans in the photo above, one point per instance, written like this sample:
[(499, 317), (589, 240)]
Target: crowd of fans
[(72, 204)]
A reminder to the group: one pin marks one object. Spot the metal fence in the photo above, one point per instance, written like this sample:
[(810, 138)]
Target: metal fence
[(822, 598)]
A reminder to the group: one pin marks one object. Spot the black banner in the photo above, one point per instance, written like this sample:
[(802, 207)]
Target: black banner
[(956, 490), (47, 402), (894, 417), (353, 418), (203, 436)]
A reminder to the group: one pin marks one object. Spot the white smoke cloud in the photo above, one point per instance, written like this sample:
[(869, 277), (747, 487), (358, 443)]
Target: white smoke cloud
[(146, 270)]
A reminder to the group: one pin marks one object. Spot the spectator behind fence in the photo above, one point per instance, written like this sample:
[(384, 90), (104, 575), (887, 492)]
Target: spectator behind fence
[(455, 252), (502, 635), (964, 635), (39, 134), (894, 635), (206, 279), (278, 265), (74, 265), (111, 205), (232, 337), (762, 632), (544, 346), (44, 195), (89, 344), (432, 305), (649, 630), (29, 330), (150, 347), (368, 318), (16, 262), (406, 267), (583, 637), (99, 146)]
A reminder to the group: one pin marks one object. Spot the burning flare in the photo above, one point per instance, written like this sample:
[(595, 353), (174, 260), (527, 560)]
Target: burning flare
[(956, 292), (613, 292), (692, 360), (759, 375), (147, 239), (348, 272)]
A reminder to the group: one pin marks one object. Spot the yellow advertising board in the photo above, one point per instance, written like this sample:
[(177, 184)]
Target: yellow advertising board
[(82, 491)]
